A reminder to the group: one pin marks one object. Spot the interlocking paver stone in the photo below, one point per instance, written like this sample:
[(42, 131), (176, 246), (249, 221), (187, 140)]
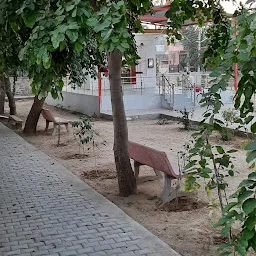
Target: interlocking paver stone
[(46, 210)]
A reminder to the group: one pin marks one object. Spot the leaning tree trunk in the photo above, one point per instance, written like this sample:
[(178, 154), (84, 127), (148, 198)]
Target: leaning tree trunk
[(33, 116), (125, 175), (2, 94), (10, 96)]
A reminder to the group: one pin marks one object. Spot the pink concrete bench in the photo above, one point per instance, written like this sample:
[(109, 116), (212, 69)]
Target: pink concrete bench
[(158, 160), (57, 122), (15, 121)]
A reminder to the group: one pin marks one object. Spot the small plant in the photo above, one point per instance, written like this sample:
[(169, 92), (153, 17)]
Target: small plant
[(229, 116), (186, 118), (162, 121), (84, 133)]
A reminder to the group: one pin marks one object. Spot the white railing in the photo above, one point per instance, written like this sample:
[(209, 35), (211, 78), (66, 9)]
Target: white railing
[(167, 84), (133, 84)]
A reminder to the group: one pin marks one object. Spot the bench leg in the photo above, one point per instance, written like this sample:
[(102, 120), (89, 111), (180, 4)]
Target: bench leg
[(66, 125), (18, 126), (136, 169), (46, 125), (58, 135), (54, 129), (169, 193), (158, 174)]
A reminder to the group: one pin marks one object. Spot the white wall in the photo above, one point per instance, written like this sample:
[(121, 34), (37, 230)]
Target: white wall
[(22, 86), (132, 102), (146, 44), (86, 104)]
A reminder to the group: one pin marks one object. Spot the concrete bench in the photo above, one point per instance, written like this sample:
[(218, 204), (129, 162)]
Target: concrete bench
[(15, 121), (158, 160), (57, 122)]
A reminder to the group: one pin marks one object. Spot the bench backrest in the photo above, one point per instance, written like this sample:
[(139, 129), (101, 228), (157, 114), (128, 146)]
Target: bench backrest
[(47, 114), (151, 157)]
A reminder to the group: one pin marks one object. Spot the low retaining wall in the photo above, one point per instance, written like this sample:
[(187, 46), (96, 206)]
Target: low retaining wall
[(86, 104), (133, 102)]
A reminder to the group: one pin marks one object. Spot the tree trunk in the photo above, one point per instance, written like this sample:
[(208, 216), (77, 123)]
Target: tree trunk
[(10, 96), (33, 116), (125, 175), (2, 94)]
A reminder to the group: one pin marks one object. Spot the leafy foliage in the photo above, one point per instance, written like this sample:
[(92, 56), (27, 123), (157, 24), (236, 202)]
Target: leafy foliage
[(190, 37), (230, 43), (53, 38), (53, 44)]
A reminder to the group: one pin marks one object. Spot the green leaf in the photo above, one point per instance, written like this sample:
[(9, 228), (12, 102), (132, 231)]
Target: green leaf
[(220, 150), (73, 25), (104, 11), (102, 26), (241, 250), (190, 180), (190, 164), (247, 183), (125, 45), (106, 37), (74, 13), (56, 39), (62, 45), (251, 156), (47, 64), (222, 220), (249, 205), (247, 234), (30, 19), (178, 36), (251, 146), (252, 175), (248, 119), (72, 35), (253, 127), (231, 173), (70, 7), (215, 73), (78, 47), (245, 194), (243, 56), (229, 206), (232, 151), (22, 53), (92, 22), (224, 246), (226, 229), (207, 170), (250, 223)]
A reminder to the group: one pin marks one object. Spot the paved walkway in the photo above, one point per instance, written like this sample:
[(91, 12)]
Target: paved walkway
[(46, 210)]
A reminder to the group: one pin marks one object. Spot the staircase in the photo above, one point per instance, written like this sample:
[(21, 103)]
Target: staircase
[(177, 93), (166, 89)]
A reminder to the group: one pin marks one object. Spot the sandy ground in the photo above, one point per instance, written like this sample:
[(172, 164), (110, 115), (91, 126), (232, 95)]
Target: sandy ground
[(187, 229)]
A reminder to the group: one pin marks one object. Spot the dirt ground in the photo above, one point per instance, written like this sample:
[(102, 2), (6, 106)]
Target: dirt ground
[(188, 228)]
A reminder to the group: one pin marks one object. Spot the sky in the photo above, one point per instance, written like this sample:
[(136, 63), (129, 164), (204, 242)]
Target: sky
[(229, 7)]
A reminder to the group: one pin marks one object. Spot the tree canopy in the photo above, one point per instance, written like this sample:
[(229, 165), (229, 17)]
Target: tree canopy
[(53, 38)]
